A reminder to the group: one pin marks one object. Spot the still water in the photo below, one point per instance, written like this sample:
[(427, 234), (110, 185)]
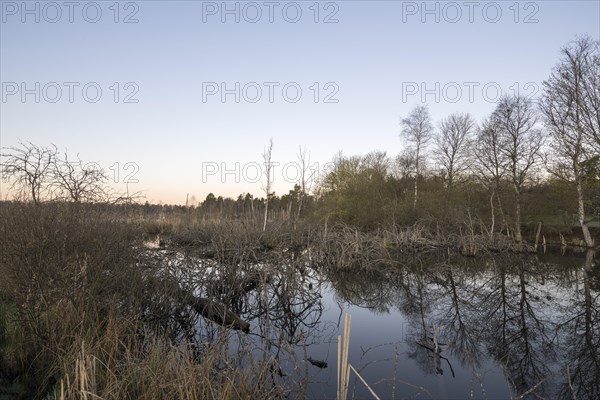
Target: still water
[(432, 327)]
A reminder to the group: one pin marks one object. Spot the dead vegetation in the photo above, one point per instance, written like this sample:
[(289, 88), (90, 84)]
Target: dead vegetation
[(90, 310), (89, 314)]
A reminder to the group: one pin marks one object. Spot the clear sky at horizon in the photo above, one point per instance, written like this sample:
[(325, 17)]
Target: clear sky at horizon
[(161, 67)]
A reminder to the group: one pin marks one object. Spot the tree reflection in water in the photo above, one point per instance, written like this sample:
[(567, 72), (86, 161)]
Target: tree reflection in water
[(534, 320), (582, 333), (520, 337)]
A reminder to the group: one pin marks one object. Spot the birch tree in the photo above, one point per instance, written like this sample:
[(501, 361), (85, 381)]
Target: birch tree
[(521, 143), (305, 179), (267, 153), (490, 164), (570, 105), (417, 129)]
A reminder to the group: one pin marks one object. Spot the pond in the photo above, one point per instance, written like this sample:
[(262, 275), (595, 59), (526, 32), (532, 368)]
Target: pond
[(508, 326)]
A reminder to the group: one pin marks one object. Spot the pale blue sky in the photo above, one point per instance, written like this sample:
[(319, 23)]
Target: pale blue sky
[(374, 53)]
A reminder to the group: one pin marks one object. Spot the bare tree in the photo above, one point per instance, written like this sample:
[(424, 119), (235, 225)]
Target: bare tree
[(377, 163), (520, 142), (306, 177), (417, 130), (571, 108), (404, 165), (490, 164), (29, 168), (451, 145), (268, 182), (78, 181)]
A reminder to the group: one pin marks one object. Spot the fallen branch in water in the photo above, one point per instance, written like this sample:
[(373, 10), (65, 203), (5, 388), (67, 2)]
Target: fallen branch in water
[(219, 314), (213, 311), (317, 363)]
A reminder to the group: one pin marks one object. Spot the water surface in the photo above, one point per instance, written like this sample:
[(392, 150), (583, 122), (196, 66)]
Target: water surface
[(505, 326)]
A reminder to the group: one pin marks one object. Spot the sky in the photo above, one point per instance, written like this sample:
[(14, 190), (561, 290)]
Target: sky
[(178, 98)]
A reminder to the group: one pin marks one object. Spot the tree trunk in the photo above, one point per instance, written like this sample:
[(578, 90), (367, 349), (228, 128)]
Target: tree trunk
[(416, 192), (587, 237), (518, 236), (416, 179), (501, 210), (266, 213), (300, 201), (493, 217), (449, 188), (34, 193), (537, 234)]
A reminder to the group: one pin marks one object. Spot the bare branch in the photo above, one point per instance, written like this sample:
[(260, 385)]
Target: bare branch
[(28, 167)]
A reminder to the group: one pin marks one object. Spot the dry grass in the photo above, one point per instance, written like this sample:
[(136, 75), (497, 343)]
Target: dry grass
[(94, 321), (345, 247), (118, 367)]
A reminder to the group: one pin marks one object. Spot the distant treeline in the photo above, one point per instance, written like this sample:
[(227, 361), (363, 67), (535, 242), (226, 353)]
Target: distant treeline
[(530, 161)]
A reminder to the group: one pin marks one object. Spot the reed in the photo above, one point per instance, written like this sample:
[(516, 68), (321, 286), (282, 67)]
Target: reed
[(343, 374), (344, 367)]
